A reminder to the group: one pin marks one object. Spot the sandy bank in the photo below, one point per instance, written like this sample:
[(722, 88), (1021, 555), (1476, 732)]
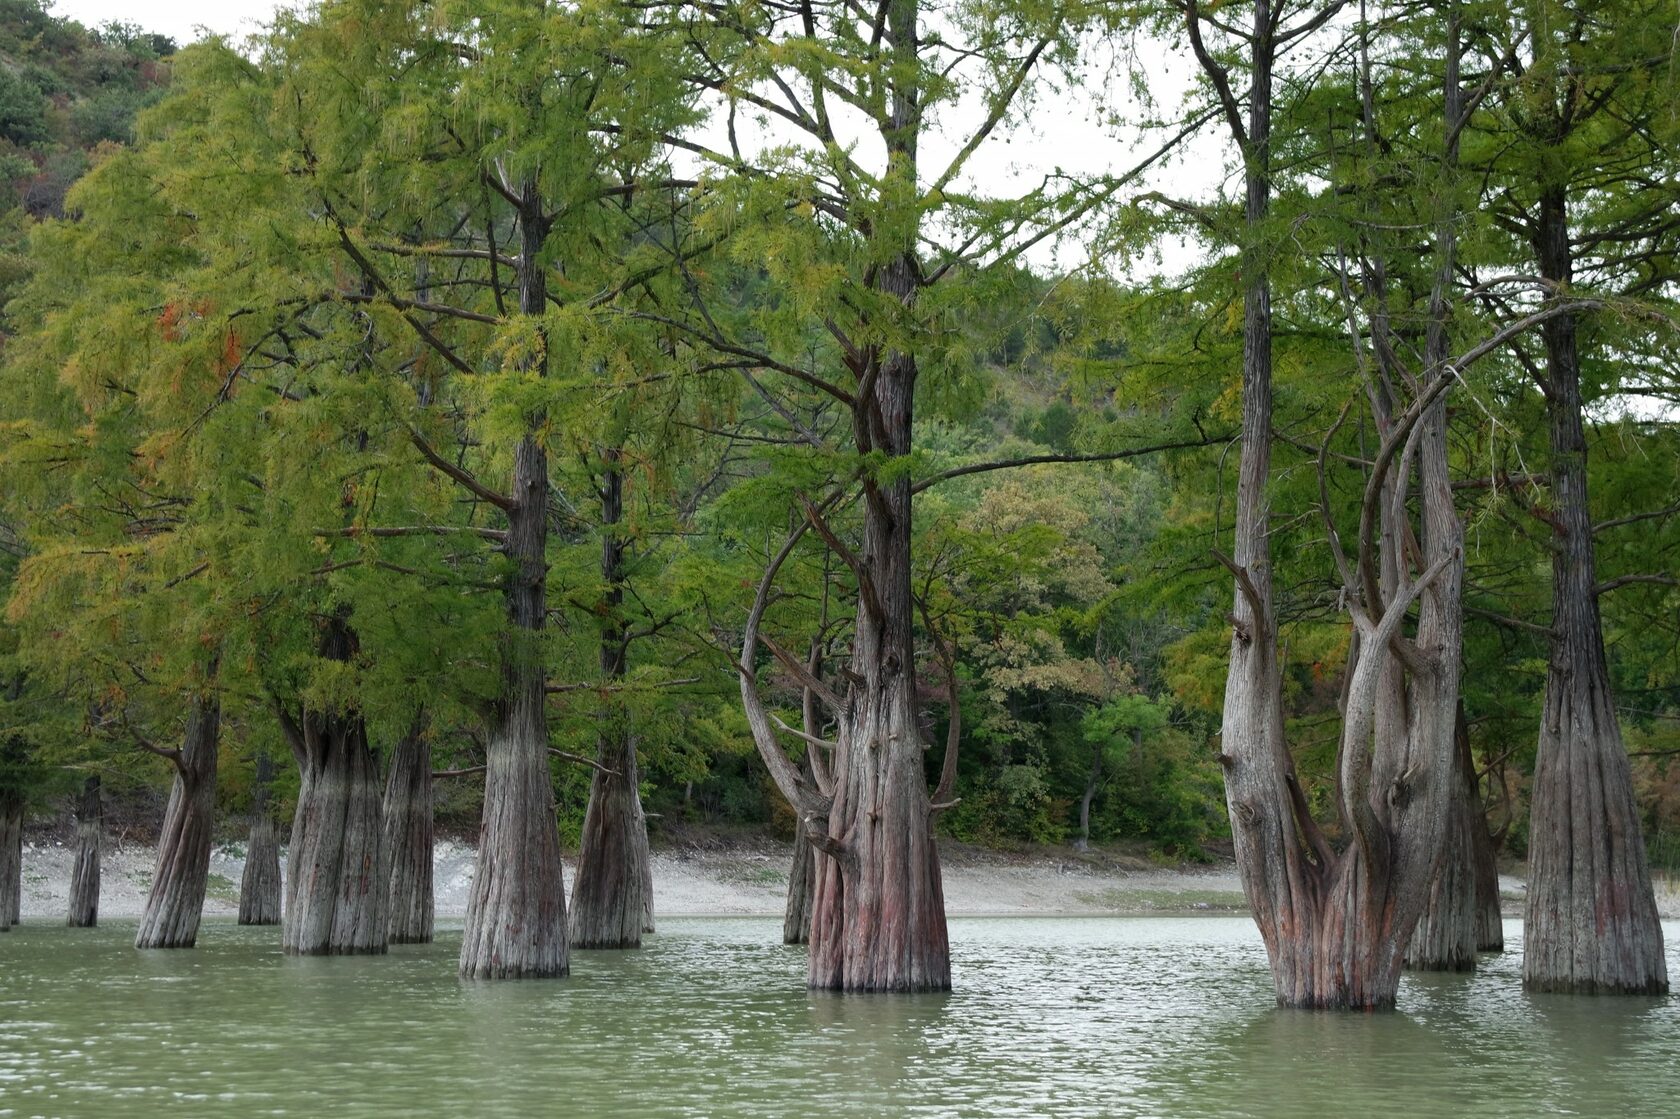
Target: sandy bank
[(744, 879)]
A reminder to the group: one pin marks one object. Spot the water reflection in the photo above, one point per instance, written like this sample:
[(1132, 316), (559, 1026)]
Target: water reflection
[(1080, 1017)]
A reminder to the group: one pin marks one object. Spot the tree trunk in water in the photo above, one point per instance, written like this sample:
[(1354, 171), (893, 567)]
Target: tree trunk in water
[(259, 886), (176, 900), (84, 872), (1591, 924), (335, 868), (1337, 926), (1448, 932), (609, 906), (796, 921), (516, 913), (1490, 924), (11, 857), (878, 911), (409, 839), (335, 880)]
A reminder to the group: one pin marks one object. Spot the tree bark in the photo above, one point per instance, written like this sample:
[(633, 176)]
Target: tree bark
[(1490, 922), (335, 870), (175, 902), (84, 872), (1590, 924), (409, 840), (516, 913), (609, 903), (796, 918), (259, 886), (11, 856), (1448, 933), (1336, 926)]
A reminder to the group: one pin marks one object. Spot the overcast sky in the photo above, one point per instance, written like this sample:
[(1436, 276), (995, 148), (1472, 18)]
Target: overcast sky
[(179, 19), (1065, 132)]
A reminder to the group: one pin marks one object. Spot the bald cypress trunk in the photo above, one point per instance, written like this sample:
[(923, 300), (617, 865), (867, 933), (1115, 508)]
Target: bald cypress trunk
[(175, 903), (1591, 922), (335, 870), (259, 886), (11, 856), (516, 914), (409, 840), (84, 872), (1490, 923), (609, 906), (1448, 933), (796, 919)]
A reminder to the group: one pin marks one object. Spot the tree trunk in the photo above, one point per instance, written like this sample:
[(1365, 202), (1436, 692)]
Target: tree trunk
[(796, 918), (609, 907), (1336, 926), (84, 872), (259, 886), (335, 869), (11, 857), (1490, 923), (878, 911), (1085, 799), (1448, 932), (516, 914), (409, 838), (1591, 922), (176, 900)]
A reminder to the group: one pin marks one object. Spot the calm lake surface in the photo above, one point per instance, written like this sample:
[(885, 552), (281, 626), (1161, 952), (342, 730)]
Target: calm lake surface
[(1053, 1017)]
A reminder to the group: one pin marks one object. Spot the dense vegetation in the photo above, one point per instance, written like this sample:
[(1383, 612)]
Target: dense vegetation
[(530, 395)]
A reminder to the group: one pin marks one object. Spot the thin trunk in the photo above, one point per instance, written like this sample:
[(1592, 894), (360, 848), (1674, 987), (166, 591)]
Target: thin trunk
[(1490, 923), (1591, 922), (259, 886), (609, 906), (176, 900), (1091, 782), (11, 857), (409, 905), (516, 914), (335, 870), (796, 916), (84, 872)]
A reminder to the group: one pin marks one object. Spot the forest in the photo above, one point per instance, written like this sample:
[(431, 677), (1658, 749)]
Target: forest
[(573, 425)]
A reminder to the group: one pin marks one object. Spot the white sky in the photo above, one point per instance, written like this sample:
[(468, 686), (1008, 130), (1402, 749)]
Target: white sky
[(1064, 131), (179, 19)]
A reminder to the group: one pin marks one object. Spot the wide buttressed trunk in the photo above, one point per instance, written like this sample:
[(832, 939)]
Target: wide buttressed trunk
[(1591, 923), (335, 881), (609, 909), (410, 910), (878, 908), (259, 886), (84, 872), (175, 903), (516, 913), (11, 857)]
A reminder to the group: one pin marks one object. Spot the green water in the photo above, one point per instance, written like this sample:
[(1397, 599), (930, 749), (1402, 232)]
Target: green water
[(1051, 1017)]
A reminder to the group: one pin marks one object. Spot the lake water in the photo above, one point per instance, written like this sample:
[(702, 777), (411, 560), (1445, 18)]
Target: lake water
[(1052, 1017)]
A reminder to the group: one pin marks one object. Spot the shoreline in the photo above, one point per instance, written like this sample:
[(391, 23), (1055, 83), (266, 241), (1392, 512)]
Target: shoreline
[(749, 879)]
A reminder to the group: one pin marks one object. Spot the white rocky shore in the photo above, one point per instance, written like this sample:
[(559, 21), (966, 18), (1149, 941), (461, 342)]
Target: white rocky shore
[(746, 879)]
